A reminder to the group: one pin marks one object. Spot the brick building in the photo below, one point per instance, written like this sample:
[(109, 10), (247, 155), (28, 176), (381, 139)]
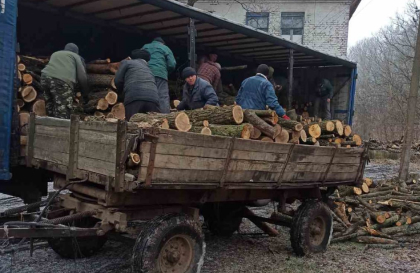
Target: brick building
[(319, 24)]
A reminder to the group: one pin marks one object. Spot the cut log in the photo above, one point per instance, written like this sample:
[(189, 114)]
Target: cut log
[(176, 120), (326, 136), (363, 202), (356, 138), (229, 115), (303, 137), (327, 126), (31, 61), (405, 229), (110, 115), (283, 137), (21, 67), (28, 94), (27, 79), (294, 136), (109, 68), (118, 110), (99, 114), (387, 223), (365, 188), (261, 225), (111, 97), (157, 123), (290, 124), (338, 130), (375, 240), (271, 120), (96, 104), (239, 131), (313, 130), (310, 140), (348, 143), (265, 113), (266, 139), (19, 75), (23, 140), (286, 219), (201, 130), (404, 220), (256, 133), (378, 217), (106, 61), (38, 107), (347, 130), (176, 103), (357, 191), (100, 80), (35, 76), (368, 181), (344, 238), (20, 103), (260, 124), (133, 160)]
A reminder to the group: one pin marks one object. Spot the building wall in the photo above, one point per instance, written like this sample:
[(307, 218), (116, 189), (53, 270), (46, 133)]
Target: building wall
[(326, 22)]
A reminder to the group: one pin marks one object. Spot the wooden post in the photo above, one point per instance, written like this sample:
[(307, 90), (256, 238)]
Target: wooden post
[(74, 146), (411, 115), (290, 91), (192, 33)]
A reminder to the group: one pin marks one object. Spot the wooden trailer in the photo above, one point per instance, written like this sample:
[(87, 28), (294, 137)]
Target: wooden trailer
[(180, 176)]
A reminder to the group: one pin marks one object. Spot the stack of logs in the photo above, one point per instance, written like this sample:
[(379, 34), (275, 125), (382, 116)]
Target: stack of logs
[(377, 214)]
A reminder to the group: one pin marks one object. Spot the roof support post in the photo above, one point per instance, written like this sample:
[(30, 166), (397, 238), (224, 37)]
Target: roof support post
[(290, 91), (192, 34)]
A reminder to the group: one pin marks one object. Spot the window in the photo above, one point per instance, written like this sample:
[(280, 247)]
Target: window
[(258, 20), (292, 23)]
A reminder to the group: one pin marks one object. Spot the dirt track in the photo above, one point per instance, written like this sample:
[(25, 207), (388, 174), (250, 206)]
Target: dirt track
[(240, 253)]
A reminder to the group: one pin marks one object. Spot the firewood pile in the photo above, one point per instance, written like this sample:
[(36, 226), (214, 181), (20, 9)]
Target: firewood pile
[(380, 215), (392, 146)]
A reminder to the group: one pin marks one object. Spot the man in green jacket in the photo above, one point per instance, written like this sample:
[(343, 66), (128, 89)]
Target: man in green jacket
[(64, 70), (162, 62)]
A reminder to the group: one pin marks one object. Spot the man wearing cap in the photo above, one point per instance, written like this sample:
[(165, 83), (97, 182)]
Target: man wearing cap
[(58, 79), (137, 81), (162, 62), (256, 92), (196, 92)]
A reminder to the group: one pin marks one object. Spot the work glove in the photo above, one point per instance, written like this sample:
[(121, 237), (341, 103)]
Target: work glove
[(285, 117)]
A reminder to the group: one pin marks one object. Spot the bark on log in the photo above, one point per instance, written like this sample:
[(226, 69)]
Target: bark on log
[(376, 194), (265, 113), (283, 137), (387, 223), (256, 133), (35, 76), (294, 136), (110, 68), (271, 120), (378, 216), (363, 202), (31, 61), (157, 122), (28, 94), (201, 130), (38, 107), (286, 219), (313, 130), (229, 115), (375, 240), (96, 104), (338, 130), (303, 136), (177, 120), (349, 143), (110, 96), (23, 140), (260, 124), (239, 131), (118, 111), (344, 238), (327, 126), (310, 140), (290, 124), (382, 246), (100, 80), (405, 230)]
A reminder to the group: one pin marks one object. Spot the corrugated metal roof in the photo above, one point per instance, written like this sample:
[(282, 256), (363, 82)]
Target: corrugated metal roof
[(170, 19)]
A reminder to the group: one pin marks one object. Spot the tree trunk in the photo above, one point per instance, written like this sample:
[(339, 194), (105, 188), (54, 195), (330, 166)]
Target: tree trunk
[(177, 120), (100, 80), (38, 107), (229, 115), (338, 130), (290, 124), (313, 130), (133, 160), (375, 240), (239, 131), (110, 68), (201, 130), (260, 124)]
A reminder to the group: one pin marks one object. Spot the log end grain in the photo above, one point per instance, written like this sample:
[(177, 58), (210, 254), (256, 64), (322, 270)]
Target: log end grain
[(283, 137), (118, 111), (111, 97), (347, 130), (339, 129), (28, 94), (206, 131), (182, 122), (256, 133), (365, 188), (238, 114), (266, 139), (38, 107), (102, 104), (357, 191), (247, 131)]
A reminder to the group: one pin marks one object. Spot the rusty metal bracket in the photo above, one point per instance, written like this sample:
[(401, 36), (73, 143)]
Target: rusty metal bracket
[(227, 162), (289, 154), (329, 165)]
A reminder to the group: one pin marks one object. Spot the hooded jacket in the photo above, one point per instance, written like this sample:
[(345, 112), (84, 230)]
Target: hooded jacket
[(162, 61), (67, 65), (195, 97)]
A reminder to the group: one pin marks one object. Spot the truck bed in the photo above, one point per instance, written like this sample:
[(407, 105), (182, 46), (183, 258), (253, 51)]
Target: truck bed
[(98, 152)]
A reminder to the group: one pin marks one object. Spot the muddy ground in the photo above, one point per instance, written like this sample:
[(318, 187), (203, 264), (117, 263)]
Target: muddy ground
[(246, 251)]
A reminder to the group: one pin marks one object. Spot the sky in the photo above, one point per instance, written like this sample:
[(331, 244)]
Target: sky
[(371, 15)]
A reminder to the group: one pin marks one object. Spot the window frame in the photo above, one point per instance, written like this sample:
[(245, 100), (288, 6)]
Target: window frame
[(252, 15), (292, 15)]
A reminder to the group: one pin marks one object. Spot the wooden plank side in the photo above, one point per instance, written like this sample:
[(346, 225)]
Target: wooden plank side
[(252, 176), (52, 122), (191, 139), (303, 150), (260, 146), (344, 168), (53, 144), (336, 177), (62, 132), (98, 151), (302, 158), (96, 166), (185, 150), (259, 156), (107, 138), (101, 126), (247, 165), (181, 176), (306, 167), (184, 162), (51, 156)]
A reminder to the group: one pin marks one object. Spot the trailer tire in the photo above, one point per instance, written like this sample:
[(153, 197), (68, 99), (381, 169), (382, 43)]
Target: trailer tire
[(223, 219), (311, 228), (169, 243), (81, 247)]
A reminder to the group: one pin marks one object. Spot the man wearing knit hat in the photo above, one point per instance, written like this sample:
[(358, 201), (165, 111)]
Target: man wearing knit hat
[(196, 92), (162, 62), (256, 92), (137, 81)]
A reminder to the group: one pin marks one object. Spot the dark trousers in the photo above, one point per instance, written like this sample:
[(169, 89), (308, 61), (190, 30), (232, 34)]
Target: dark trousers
[(140, 106), (322, 108), (163, 91)]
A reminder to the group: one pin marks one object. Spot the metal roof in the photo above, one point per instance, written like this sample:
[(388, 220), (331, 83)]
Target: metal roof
[(170, 19)]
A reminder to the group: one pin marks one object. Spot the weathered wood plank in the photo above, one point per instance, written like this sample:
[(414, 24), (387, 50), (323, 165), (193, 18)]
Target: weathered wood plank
[(98, 151), (51, 156), (101, 126), (336, 177), (62, 132), (183, 176), (185, 150), (52, 122), (313, 150), (184, 162), (246, 165), (259, 156), (301, 158), (191, 139), (252, 176), (96, 166), (98, 137), (344, 168), (306, 167), (53, 144), (346, 160), (259, 146)]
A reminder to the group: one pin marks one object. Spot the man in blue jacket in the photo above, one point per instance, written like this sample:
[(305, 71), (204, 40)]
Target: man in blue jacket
[(197, 92), (162, 63), (256, 92), (135, 79)]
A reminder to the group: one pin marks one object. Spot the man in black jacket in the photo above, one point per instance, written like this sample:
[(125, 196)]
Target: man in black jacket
[(135, 78), (324, 94)]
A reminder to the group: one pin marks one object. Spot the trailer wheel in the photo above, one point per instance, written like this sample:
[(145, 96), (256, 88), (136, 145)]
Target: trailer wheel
[(311, 228), (169, 243), (223, 219), (80, 247)]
